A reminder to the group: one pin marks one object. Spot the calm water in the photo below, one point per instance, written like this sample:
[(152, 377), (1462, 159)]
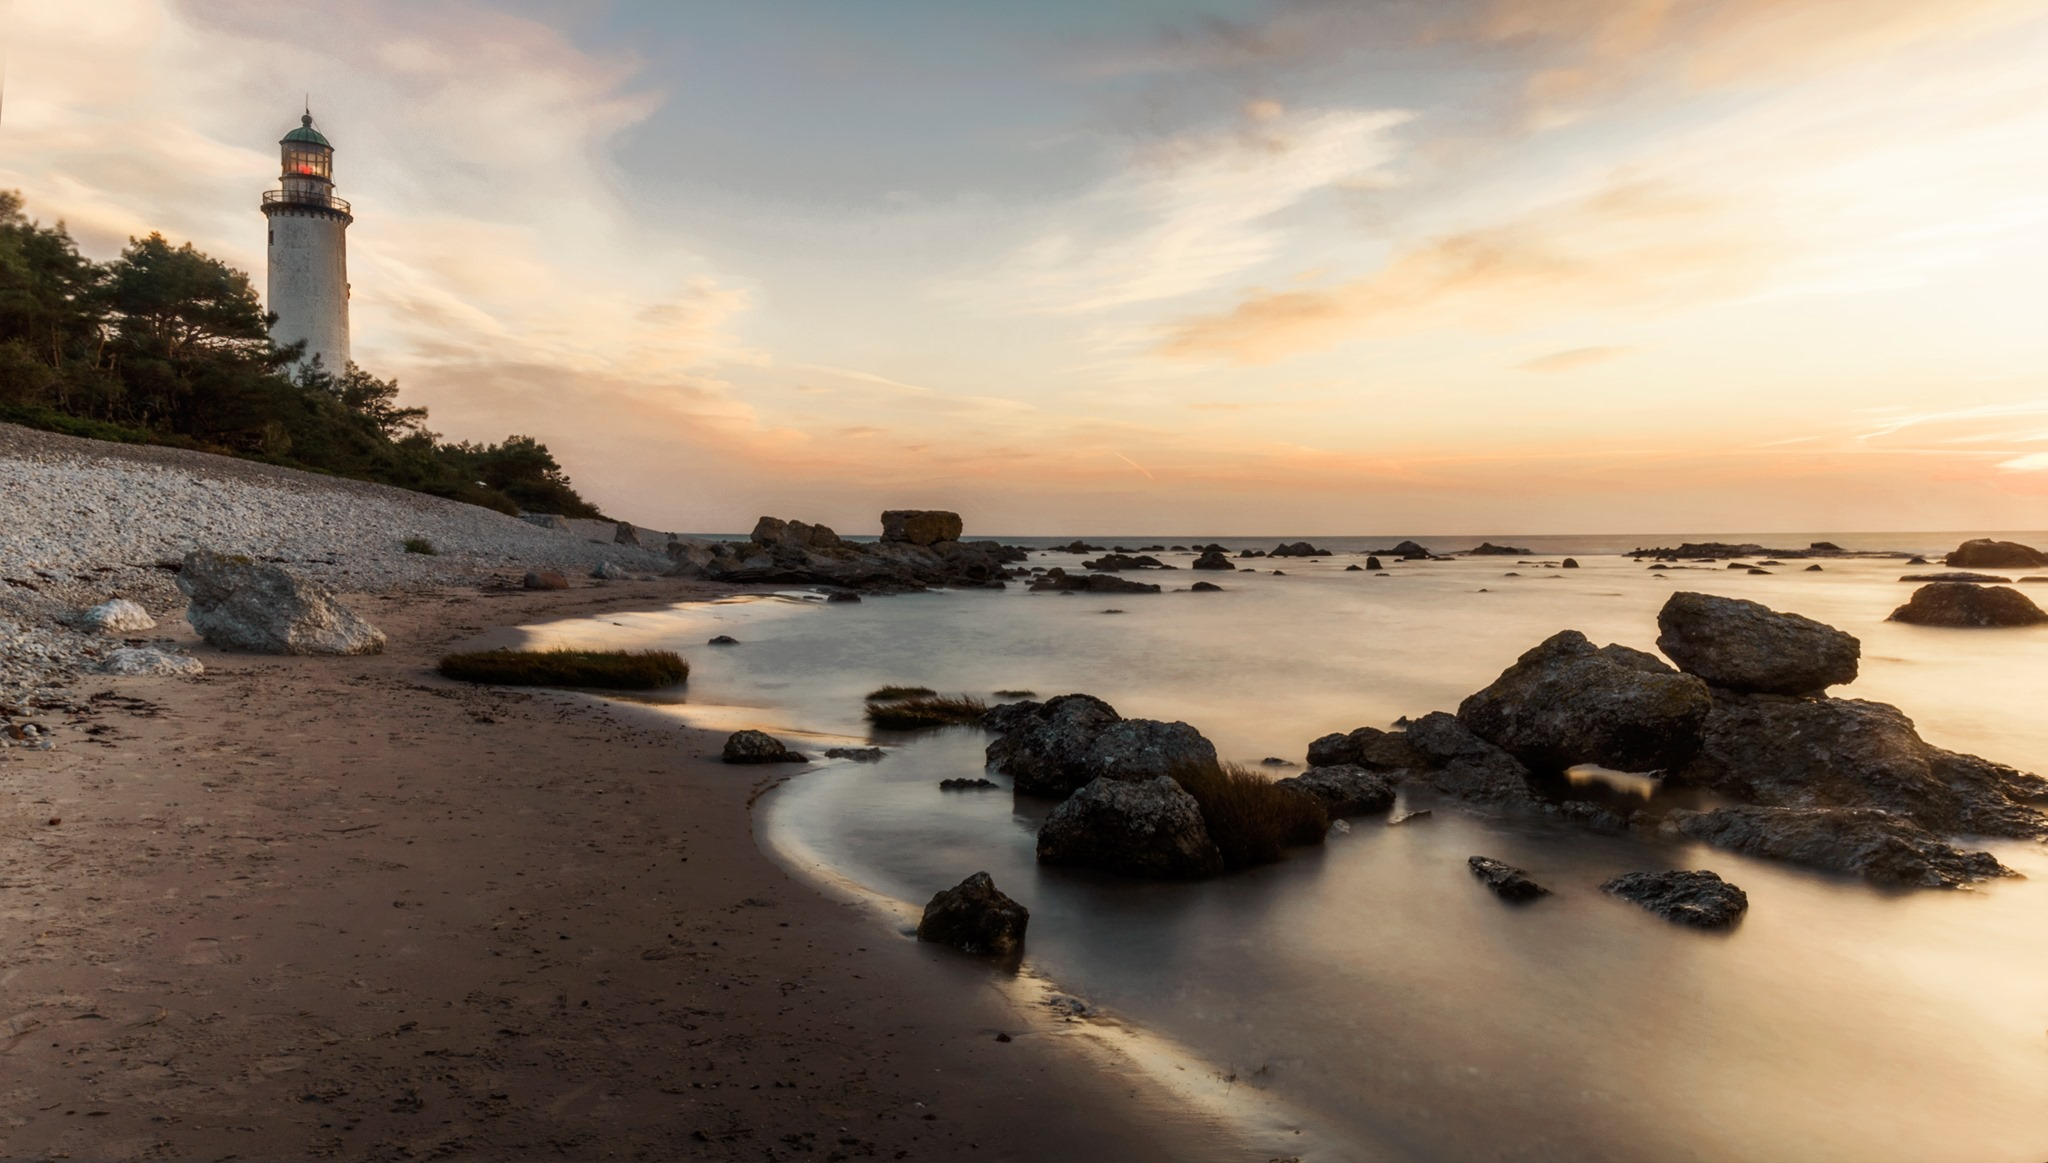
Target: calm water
[(1374, 984)]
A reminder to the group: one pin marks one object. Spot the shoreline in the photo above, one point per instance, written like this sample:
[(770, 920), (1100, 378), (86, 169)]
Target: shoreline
[(340, 907)]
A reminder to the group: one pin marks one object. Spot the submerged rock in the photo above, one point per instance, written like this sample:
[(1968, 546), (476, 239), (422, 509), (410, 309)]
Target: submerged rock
[(1962, 604), (1985, 553), (1566, 702), (857, 754), (1343, 790), (975, 917), (1151, 828), (241, 604), (1747, 646), (758, 747), (1698, 898), (1507, 882), (1879, 846)]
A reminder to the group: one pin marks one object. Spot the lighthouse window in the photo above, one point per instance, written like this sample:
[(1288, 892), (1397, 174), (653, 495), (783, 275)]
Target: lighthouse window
[(306, 161)]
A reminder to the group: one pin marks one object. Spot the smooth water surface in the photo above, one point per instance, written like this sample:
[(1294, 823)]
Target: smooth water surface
[(1374, 982)]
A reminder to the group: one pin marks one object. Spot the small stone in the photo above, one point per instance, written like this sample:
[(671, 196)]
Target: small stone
[(758, 747), (975, 917)]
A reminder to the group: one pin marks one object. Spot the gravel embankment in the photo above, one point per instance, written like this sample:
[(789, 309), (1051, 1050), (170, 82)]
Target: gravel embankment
[(82, 521)]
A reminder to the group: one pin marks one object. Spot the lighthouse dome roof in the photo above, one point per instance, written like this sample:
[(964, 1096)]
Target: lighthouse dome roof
[(306, 133)]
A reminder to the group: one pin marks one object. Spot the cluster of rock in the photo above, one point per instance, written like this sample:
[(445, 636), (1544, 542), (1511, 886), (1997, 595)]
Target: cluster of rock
[(1114, 562), (1405, 551), (1489, 549), (919, 548), (1841, 784), (1724, 550), (1057, 580)]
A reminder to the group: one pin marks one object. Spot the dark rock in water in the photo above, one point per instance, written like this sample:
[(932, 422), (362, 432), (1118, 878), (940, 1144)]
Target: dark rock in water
[(1966, 605), (1276, 761), (1343, 790), (1152, 828), (1367, 747), (1213, 559), (1133, 749), (1406, 551), (1985, 553), (1957, 576), (1489, 549), (1004, 718), (1461, 764), (857, 754), (724, 640), (1753, 569), (975, 917), (544, 579), (920, 526), (1045, 749), (965, 784), (1507, 882), (1206, 588), (1354, 569), (1701, 899), (1815, 568), (1592, 815), (1566, 702), (1111, 563), (1298, 549), (1511, 573), (1569, 563), (1747, 646), (842, 596), (1093, 583), (758, 747), (1660, 565), (2032, 580), (1916, 559), (1879, 846), (1828, 753), (1373, 564), (1738, 565), (1279, 573)]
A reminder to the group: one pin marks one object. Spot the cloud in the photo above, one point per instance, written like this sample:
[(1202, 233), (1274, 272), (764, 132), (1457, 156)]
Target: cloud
[(1572, 359)]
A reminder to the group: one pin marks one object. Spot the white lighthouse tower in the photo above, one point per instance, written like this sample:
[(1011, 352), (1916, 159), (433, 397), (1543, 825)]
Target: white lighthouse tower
[(309, 250)]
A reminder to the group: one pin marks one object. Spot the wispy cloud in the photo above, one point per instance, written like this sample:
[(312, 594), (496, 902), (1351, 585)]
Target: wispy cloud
[(1571, 359)]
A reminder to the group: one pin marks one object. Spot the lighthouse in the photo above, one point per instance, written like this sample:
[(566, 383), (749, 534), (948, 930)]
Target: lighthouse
[(309, 249)]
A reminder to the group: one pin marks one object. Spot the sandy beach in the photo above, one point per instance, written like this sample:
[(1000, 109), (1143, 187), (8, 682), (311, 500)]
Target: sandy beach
[(344, 908)]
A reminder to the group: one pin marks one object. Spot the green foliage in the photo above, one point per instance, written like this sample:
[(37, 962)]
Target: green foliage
[(420, 545), (1251, 820), (928, 710), (165, 345), (899, 692), (606, 669)]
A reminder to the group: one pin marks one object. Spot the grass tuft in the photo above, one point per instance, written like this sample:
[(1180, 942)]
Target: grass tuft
[(891, 693), (420, 545), (1251, 821), (926, 710), (608, 669)]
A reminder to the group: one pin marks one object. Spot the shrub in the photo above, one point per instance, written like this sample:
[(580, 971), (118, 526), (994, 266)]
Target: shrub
[(1251, 821), (608, 669), (420, 545), (1016, 694), (885, 693), (926, 711)]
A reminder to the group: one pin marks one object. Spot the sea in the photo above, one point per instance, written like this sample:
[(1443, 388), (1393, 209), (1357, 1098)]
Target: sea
[(1369, 993)]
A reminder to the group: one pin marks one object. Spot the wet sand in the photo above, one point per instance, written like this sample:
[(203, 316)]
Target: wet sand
[(342, 908)]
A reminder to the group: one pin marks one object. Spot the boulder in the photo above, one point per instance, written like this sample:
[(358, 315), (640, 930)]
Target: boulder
[(1489, 549), (115, 616), (920, 526), (1213, 559), (1367, 747), (149, 661), (975, 917), (722, 640), (1569, 563), (1507, 882), (1964, 604), (1045, 750), (1405, 551), (1146, 749), (1985, 553), (1298, 549), (773, 531), (1205, 588), (1459, 763), (240, 604), (1151, 828), (1004, 718), (1059, 581), (1566, 702), (758, 747), (625, 534), (1850, 753), (1879, 846), (1747, 646), (1699, 898), (1343, 789), (1114, 562), (544, 579), (1373, 564)]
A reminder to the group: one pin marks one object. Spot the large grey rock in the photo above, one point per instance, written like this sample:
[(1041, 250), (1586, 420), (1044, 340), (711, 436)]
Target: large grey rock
[(1747, 646), (1146, 749), (1151, 828), (1698, 898), (150, 661), (1985, 553), (625, 534), (1343, 789), (920, 526), (240, 604), (1963, 604), (1834, 753), (975, 917), (1460, 763), (115, 616), (1045, 752), (758, 747), (1566, 702), (1879, 846)]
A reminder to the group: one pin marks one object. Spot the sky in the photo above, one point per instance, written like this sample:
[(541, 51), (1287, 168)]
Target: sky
[(1202, 267)]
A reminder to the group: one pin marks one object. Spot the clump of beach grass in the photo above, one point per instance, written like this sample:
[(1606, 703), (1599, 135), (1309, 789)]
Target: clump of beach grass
[(1251, 821), (891, 693), (420, 545), (926, 710), (606, 669)]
